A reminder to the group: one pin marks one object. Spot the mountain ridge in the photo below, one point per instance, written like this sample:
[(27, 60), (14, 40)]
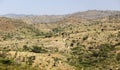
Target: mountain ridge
[(90, 14)]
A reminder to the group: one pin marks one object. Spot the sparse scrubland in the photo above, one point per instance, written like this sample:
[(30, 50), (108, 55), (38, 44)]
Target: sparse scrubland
[(81, 41)]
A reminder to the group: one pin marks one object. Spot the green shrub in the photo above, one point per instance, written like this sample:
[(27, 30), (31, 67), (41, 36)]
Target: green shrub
[(26, 48), (118, 56), (85, 38), (38, 49), (105, 47), (6, 61), (48, 35), (30, 60), (7, 36), (56, 30)]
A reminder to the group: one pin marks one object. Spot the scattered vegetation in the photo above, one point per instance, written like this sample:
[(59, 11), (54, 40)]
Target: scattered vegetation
[(81, 43)]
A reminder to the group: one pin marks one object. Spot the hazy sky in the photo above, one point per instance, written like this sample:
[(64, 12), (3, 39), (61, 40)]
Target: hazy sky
[(50, 7)]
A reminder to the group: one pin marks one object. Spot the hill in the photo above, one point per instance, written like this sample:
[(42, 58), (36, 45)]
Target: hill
[(87, 40), (36, 18), (90, 14)]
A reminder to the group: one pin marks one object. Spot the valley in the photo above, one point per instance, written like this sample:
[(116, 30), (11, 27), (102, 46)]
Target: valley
[(87, 40)]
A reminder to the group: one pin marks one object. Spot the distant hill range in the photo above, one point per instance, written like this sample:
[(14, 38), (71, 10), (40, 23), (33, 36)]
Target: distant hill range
[(90, 14), (36, 18)]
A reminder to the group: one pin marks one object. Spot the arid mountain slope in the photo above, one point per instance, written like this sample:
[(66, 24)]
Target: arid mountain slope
[(87, 41)]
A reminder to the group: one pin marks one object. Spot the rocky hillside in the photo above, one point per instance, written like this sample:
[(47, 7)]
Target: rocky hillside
[(95, 14), (77, 42)]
